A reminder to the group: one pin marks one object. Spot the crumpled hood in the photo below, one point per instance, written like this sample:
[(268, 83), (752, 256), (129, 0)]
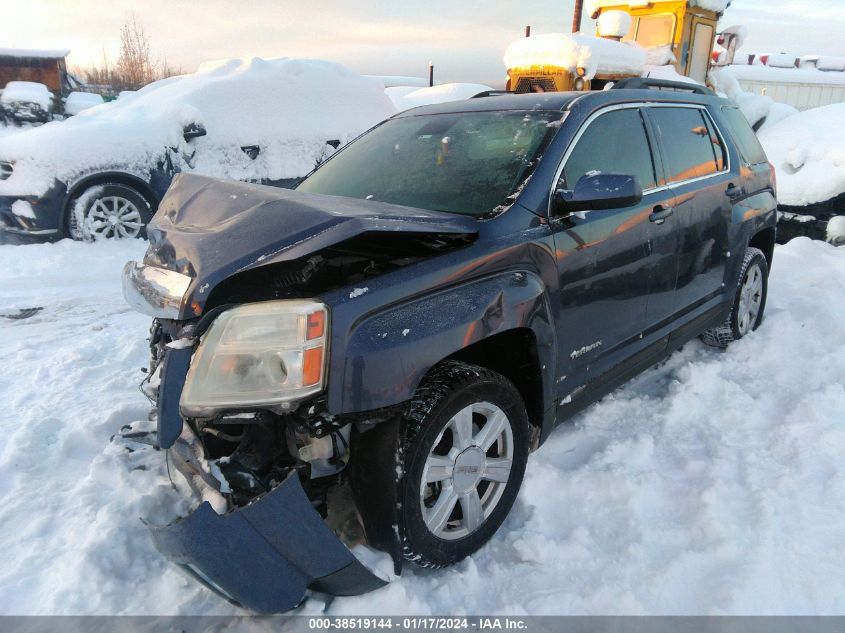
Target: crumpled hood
[(211, 229)]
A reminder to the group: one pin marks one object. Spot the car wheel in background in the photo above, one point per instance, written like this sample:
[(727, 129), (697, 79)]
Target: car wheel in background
[(749, 301), (465, 450), (111, 210)]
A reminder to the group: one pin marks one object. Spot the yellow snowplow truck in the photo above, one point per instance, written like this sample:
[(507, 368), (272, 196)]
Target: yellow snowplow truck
[(677, 32)]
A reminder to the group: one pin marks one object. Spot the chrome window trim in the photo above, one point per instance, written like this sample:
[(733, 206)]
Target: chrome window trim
[(641, 104)]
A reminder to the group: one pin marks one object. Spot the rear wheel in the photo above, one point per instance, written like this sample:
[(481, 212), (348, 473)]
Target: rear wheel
[(111, 210), (465, 453), (749, 301)]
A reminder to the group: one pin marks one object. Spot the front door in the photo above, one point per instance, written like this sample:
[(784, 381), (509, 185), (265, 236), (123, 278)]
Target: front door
[(606, 258)]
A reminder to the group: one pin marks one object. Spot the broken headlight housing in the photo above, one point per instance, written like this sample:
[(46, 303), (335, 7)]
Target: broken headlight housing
[(270, 354)]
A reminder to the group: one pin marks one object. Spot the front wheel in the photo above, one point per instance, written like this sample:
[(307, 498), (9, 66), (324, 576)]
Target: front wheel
[(111, 210), (466, 448), (749, 301)]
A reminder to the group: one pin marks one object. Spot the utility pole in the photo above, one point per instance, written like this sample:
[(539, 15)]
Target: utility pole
[(576, 16)]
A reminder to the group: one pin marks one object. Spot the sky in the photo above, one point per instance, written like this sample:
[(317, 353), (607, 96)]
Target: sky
[(465, 39)]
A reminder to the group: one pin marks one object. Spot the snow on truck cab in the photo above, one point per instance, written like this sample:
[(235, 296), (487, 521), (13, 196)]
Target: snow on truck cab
[(629, 37), (405, 326), (103, 172)]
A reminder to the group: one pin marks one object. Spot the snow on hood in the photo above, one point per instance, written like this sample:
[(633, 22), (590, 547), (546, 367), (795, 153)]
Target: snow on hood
[(288, 107), (211, 229), (26, 92), (405, 97), (808, 152), (571, 51)]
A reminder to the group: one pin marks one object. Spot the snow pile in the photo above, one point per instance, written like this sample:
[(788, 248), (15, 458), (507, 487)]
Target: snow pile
[(779, 60), (712, 484), (405, 97), (831, 63), (78, 101), (288, 107), (613, 24), (572, 51), (26, 92), (660, 55), (806, 74), (741, 32), (808, 151)]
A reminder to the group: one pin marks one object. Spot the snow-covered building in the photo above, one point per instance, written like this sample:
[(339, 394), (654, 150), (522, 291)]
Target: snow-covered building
[(46, 67)]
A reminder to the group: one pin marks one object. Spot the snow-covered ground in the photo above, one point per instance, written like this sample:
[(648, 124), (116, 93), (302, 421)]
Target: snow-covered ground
[(714, 483)]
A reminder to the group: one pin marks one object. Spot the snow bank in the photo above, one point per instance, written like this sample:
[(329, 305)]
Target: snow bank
[(26, 92), (808, 151), (571, 51), (405, 97), (828, 63), (712, 484), (288, 107), (779, 60), (76, 102)]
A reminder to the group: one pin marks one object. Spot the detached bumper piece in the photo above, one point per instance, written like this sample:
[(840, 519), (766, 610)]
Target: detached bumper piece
[(265, 556)]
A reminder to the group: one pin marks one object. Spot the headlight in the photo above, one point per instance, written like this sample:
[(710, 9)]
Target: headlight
[(258, 355)]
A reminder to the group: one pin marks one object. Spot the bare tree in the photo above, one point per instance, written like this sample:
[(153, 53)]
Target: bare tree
[(134, 65)]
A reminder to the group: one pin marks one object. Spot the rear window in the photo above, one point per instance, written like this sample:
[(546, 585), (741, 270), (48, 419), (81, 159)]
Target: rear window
[(692, 148), (746, 140)]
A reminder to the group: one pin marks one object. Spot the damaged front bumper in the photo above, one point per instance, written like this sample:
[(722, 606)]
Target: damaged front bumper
[(263, 556)]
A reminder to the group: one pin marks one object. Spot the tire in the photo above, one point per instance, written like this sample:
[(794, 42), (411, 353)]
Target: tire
[(436, 444), (749, 301), (109, 210)]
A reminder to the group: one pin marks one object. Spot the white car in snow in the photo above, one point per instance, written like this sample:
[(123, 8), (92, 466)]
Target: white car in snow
[(102, 172)]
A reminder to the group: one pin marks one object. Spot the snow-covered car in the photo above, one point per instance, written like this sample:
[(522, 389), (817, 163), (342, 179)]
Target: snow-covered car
[(76, 102), (102, 173), (26, 102), (808, 152)]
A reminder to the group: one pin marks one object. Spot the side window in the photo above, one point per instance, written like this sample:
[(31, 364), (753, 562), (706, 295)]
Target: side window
[(687, 140), (614, 143), (744, 136)]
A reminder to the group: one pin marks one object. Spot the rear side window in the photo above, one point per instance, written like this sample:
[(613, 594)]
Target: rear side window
[(614, 143), (746, 140), (689, 141)]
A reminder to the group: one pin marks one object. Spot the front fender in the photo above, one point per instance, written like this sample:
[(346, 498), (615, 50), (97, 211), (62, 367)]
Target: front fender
[(386, 354)]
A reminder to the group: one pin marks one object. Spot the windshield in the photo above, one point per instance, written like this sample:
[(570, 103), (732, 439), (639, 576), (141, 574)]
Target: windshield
[(467, 163)]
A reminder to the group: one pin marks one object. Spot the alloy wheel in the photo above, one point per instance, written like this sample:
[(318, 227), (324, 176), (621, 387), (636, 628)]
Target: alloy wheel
[(466, 471)]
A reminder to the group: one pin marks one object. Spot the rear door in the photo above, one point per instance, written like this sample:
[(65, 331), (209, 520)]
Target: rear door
[(698, 174), (606, 260)]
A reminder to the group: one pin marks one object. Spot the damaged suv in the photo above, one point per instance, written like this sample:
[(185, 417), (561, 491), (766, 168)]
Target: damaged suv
[(399, 332)]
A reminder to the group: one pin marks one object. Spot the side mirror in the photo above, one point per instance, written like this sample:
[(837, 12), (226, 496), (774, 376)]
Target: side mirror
[(597, 192), (193, 130)]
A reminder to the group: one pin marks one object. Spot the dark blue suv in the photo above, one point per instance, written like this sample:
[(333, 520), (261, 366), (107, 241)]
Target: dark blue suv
[(423, 311)]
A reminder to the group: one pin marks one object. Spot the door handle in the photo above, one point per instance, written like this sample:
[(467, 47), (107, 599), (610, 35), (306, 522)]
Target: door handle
[(733, 191), (660, 213)]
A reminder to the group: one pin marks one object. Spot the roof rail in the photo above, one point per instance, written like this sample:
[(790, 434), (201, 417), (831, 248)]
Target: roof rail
[(490, 93), (661, 84)]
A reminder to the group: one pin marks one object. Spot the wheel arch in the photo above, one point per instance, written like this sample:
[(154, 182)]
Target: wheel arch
[(105, 178), (765, 241), (502, 322)]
